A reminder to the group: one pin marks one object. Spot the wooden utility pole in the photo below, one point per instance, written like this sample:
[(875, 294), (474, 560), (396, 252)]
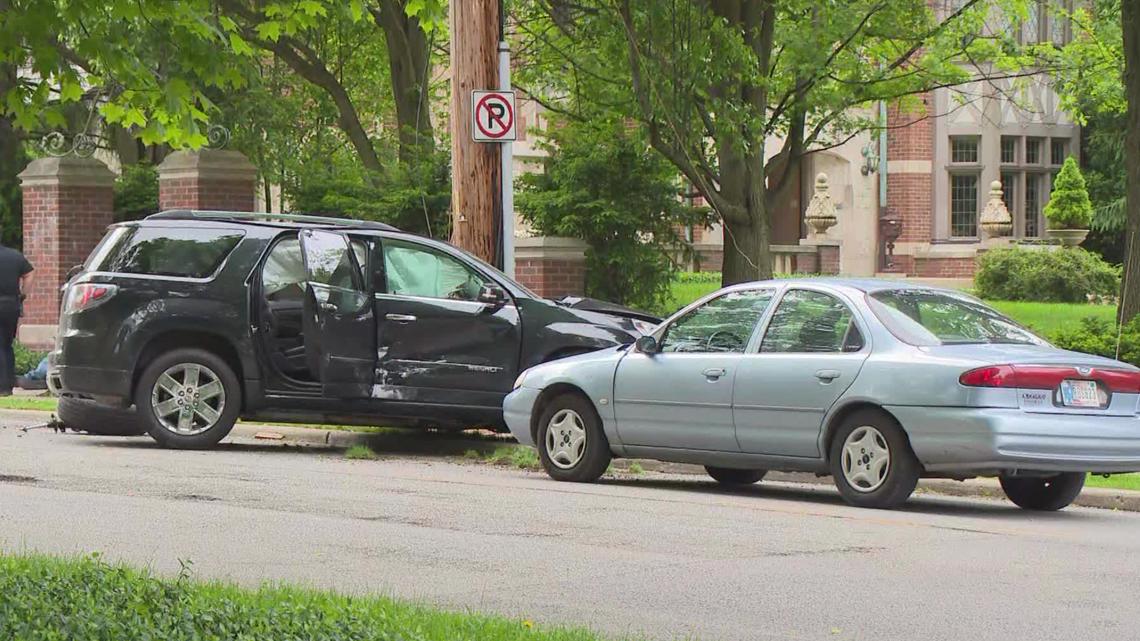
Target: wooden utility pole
[(475, 166)]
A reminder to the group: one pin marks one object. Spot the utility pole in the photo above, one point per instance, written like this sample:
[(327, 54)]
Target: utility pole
[(476, 167)]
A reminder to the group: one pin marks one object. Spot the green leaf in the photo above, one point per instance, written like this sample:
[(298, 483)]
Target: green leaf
[(269, 30), (356, 9), (134, 117), (70, 91), (312, 8), (240, 46), (112, 112)]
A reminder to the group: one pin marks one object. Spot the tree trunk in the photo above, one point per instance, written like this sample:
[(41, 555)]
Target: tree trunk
[(11, 163), (475, 165), (409, 57), (1130, 289)]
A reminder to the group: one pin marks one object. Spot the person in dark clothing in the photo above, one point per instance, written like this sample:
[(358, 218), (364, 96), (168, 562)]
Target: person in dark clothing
[(14, 271)]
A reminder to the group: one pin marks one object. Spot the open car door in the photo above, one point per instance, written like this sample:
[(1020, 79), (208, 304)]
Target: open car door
[(339, 323)]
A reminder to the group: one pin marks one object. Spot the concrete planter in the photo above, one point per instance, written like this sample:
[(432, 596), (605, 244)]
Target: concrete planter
[(1068, 237)]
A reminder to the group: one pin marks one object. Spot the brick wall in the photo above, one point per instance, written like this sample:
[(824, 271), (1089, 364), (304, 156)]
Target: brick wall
[(828, 259), (910, 197), (552, 278), (944, 267), (807, 263), (710, 261)]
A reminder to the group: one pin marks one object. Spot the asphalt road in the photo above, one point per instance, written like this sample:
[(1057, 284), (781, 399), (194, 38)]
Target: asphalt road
[(664, 556)]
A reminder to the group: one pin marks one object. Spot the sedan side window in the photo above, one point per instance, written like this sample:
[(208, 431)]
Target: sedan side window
[(723, 324), (414, 270), (808, 321)]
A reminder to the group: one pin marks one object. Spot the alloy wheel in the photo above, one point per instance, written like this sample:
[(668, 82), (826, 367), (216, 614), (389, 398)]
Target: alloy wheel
[(188, 399), (866, 459), (565, 439)]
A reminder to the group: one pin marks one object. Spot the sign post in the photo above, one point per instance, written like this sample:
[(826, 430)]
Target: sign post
[(493, 120)]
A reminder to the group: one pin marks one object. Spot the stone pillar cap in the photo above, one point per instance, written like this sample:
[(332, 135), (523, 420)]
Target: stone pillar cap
[(67, 171), (552, 247), (212, 164)]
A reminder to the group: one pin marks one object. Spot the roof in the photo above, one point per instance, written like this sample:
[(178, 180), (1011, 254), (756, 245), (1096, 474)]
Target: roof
[(265, 218)]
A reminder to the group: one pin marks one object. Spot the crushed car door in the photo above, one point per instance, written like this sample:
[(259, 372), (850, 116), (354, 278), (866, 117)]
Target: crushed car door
[(339, 322)]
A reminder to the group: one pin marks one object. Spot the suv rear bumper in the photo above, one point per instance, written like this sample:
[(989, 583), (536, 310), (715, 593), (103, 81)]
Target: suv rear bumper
[(108, 386)]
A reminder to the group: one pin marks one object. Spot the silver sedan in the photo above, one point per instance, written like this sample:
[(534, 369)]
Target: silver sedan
[(877, 383)]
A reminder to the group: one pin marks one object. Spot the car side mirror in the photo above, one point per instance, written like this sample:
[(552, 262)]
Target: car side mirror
[(71, 273), (491, 294), (646, 345)]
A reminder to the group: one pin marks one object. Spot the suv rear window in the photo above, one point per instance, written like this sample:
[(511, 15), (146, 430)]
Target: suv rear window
[(165, 251)]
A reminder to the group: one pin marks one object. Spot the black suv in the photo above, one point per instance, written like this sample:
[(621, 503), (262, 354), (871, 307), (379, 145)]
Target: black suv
[(198, 318)]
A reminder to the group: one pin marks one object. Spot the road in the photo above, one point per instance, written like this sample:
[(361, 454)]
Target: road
[(664, 556)]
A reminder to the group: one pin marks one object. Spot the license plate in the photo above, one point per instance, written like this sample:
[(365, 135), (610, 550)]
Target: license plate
[(1080, 394)]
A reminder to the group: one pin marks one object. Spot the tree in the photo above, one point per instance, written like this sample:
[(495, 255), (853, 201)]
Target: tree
[(604, 185), (1130, 26), (1069, 206), (712, 83)]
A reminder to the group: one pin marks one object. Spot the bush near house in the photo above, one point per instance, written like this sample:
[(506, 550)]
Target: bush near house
[(1066, 276), (1069, 206), (1099, 336), (48, 599)]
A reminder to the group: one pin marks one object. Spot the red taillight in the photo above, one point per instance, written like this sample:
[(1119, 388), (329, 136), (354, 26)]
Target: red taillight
[(84, 296), (1049, 377)]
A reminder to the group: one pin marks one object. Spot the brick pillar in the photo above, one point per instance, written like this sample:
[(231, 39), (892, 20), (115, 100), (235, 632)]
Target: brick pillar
[(68, 203), (212, 179), (910, 177), (551, 266)]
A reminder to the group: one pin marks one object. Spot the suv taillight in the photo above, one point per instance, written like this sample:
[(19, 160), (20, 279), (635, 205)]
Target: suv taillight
[(84, 296), (1049, 377)]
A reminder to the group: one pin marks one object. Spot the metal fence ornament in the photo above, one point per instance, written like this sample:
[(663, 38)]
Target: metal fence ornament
[(217, 137), (57, 144)]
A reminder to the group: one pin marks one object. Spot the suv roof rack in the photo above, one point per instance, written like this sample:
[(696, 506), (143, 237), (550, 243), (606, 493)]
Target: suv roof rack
[(194, 214)]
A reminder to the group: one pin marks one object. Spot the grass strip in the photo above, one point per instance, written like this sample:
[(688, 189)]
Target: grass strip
[(48, 599)]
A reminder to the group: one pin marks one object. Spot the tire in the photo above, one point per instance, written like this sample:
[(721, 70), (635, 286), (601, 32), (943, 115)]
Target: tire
[(871, 433), (218, 405), (1043, 494), (85, 415), (565, 419), (730, 476)]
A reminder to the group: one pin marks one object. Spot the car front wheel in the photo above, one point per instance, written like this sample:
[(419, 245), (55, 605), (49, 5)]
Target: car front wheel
[(1046, 493), (571, 443), (188, 399), (871, 461)]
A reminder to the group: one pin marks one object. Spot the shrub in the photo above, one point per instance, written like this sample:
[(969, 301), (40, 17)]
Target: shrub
[(604, 185), (26, 358), (45, 599), (1069, 206), (1098, 336), (136, 192), (1064, 276)]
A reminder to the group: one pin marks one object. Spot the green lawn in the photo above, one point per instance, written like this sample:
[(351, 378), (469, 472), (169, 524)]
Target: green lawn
[(40, 403), (48, 599), (1116, 481)]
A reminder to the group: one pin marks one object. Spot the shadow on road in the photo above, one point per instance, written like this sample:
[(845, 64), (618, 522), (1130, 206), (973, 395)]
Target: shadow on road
[(825, 495), (391, 442)]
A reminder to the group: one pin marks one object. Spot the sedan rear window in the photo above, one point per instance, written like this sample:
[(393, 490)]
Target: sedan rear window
[(927, 317), (165, 251)]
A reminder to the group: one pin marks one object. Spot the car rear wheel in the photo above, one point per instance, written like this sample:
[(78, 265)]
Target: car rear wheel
[(188, 399), (571, 443), (730, 476), (871, 461), (1046, 493)]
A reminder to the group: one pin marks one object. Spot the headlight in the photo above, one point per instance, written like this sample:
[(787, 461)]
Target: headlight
[(519, 380), (643, 327)]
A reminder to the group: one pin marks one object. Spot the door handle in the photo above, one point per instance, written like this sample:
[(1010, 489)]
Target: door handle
[(714, 373), (328, 307), (827, 375), (400, 318)]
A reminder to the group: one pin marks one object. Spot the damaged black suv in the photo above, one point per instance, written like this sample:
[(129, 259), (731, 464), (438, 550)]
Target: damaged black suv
[(182, 323)]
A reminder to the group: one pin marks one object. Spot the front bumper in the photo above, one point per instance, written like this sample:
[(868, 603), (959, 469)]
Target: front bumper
[(517, 409), (961, 439)]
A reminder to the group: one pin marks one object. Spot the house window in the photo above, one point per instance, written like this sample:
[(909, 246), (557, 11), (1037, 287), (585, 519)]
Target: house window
[(1032, 212), (964, 205), (1033, 151), (1009, 190), (964, 149), (1057, 151), (1008, 150)]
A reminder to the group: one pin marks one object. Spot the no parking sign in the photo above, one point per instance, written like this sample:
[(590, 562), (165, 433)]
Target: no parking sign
[(492, 116)]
